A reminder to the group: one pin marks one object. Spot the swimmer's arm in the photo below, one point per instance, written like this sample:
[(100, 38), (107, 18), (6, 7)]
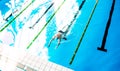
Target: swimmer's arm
[(59, 40), (51, 40)]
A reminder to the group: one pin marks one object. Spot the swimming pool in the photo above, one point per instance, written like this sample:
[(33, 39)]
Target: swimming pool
[(35, 40)]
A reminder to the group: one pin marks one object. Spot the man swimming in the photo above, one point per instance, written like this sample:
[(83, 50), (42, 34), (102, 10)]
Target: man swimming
[(61, 34)]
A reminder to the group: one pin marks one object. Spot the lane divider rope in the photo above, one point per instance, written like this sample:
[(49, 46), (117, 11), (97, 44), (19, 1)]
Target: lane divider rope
[(78, 45)]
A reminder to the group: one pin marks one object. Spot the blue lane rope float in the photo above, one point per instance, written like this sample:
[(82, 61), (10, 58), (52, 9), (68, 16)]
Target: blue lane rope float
[(72, 59), (102, 48), (45, 25), (17, 16), (41, 16)]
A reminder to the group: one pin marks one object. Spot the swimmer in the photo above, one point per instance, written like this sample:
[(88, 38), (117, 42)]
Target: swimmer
[(60, 35)]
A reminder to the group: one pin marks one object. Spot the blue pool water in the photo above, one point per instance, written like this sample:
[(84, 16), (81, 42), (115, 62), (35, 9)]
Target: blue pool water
[(88, 58)]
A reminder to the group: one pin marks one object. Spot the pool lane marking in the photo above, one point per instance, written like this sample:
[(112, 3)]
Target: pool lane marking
[(7, 17), (78, 45), (41, 16), (16, 16), (13, 12), (102, 48), (45, 25), (77, 12)]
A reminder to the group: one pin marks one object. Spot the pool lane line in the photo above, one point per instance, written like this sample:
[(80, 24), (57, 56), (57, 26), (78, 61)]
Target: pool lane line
[(13, 13), (41, 16), (7, 17), (45, 25), (16, 16), (102, 48), (78, 45), (76, 14)]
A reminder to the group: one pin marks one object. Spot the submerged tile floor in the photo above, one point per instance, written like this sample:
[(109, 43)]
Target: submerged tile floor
[(11, 60)]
